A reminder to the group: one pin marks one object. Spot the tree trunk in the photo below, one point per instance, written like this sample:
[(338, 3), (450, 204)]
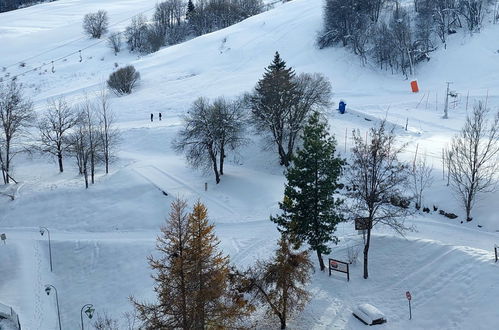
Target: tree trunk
[(2, 168), (106, 147), (222, 157), (468, 208), (7, 162), (283, 323), (92, 166), (215, 165), (366, 252), (85, 174), (106, 159), (321, 261), (59, 159), (283, 156)]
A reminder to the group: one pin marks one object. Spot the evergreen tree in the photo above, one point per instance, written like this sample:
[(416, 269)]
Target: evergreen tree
[(273, 100), (310, 210), (194, 284), (190, 9)]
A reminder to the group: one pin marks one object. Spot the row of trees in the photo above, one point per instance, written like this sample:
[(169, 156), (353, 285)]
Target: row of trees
[(7, 5), (86, 132), (287, 109), (395, 36), (172, 22), (378, 180), (277, 108), (198, 289)]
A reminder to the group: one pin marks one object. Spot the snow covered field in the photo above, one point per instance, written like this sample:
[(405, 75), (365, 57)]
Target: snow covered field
[(102, 236)]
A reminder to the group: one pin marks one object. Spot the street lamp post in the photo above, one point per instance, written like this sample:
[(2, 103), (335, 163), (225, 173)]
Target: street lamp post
[(89, 311), (42, 231), (48, 288)]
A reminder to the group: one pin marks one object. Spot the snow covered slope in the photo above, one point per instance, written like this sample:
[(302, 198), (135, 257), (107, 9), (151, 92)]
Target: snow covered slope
[(101, 236)]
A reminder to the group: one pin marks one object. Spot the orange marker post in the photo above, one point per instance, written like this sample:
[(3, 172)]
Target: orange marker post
[(414, 86)]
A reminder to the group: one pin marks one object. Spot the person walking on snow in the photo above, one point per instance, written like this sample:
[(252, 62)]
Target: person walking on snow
[(160, 116), (152, 117)]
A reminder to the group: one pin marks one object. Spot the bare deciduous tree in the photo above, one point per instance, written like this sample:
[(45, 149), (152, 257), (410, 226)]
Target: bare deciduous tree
[(95, 24), (473, 157), (135, 33), (114, 41), (169, 13), (16, 114), (211, 129), (105, 322), (54, 126), (420, 178), (282, 102), (377, 178), (108, 134), (473, 12), (80, 146), (89, 118)]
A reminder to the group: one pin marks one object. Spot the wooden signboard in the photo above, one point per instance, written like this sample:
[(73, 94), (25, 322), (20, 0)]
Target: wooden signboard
[(339, 266)]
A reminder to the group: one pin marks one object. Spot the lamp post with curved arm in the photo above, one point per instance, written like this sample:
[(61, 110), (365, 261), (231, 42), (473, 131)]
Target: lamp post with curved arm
[(42, 231), (89, 311), (48, 288)]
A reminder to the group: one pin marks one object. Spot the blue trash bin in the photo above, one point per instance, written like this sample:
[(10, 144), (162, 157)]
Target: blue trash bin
[(342, 107)]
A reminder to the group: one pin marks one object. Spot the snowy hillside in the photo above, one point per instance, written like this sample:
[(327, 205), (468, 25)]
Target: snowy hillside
[(102, 236)]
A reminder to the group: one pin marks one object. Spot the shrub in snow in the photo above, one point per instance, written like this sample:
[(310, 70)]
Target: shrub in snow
[(122, 81), (353, 253), (95, 24), (114, 42)]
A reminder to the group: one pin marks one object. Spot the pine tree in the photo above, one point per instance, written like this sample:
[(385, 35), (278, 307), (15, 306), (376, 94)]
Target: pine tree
[(194, 284), (310, 210), (279, 283), (272, 102)]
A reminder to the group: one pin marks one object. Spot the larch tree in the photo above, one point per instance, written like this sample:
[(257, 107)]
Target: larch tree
[(173, 309), (279, 284), (378, 180), (194, 285), (311, 212), (217, 302)]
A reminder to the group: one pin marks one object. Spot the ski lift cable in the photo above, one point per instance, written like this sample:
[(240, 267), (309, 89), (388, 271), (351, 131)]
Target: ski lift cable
[(74, 40), (72, 53)]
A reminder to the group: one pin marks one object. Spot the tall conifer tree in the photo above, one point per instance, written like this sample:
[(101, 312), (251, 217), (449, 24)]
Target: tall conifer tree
[(194, 286), (310, 210), (272, 103)]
